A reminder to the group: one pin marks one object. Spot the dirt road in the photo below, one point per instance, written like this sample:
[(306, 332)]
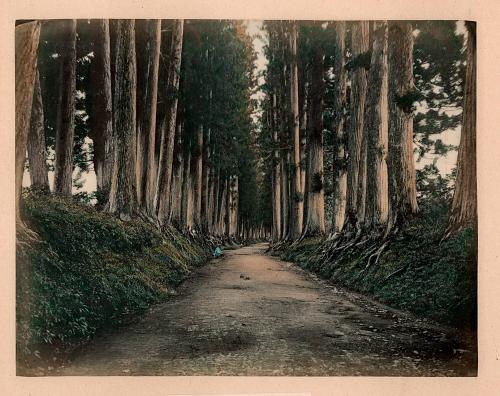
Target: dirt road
[(251, 314)]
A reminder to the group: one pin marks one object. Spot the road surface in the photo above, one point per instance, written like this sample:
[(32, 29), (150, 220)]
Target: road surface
[(252, 314)]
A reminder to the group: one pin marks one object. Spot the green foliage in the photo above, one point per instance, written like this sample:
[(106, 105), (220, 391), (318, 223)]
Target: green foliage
[(49, 64), (317, 182), (432, 187), (417, 272), (298, 197), (217, 81), (407, 101), (360, 61), (439, 70), (93, 271)]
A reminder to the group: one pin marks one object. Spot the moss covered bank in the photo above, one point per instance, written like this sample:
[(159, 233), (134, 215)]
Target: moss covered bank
[(85, 270), (416, 272)]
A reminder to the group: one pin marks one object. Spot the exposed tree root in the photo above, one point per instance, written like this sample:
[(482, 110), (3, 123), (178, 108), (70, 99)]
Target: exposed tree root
[(376, 255), (397, 272)]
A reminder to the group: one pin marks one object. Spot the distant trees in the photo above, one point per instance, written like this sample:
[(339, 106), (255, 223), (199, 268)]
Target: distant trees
[(168, 128), (165, 113), (360, 84), (162, 110), (297, 195)]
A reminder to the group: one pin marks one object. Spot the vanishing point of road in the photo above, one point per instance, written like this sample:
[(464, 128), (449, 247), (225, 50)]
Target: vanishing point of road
[(251, 314)]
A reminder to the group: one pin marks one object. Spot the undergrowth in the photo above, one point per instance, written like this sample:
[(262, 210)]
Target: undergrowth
[(86, 270), (417, 272)]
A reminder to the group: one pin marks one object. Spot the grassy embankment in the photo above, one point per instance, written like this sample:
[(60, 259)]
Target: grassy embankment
[(85, 271), (417, 271)]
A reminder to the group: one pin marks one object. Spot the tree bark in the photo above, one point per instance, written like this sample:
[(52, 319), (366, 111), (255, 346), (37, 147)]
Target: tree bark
[(101, 119), (198, 177), (285, 194), (356, 171), (464, 205), (339, 163), (216, 199), (186, 187), (227, 214), (316, 201), (37, 154), (303, 122), (211, 200), (65, 130), (233, 212), (205, 181), (401, 167), (27, 38), (177, 176), (148, 50), (276, 174), (376, 124), (123, 194), (297, 197), (168, 133)]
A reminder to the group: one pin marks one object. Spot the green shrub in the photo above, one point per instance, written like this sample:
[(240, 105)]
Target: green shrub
[(89, 270), (430, 277)]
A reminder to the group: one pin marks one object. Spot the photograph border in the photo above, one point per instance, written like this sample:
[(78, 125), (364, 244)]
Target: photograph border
[(486, 13)]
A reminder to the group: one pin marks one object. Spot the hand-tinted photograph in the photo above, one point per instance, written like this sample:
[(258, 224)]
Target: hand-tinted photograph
[(245, 197)]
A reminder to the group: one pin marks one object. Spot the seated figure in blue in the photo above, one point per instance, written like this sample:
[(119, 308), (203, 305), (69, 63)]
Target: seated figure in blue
[(218, 252)]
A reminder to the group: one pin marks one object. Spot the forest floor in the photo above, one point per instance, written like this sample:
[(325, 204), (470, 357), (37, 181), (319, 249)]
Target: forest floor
[(251, 314)]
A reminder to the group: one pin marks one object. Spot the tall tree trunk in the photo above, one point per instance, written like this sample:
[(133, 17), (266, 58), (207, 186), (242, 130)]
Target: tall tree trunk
[(211, 200), (168, 133), (464, 205), (297, 193), (205, 181), (339, 162), (36, 142), (233, 221), (285, 194), (148, 50), (190, 212), (27, 38), (123, 194), (198, 177), (223, 208), (216, 199), (113, 28), (356, 171), (285, 143), (303, 143), (101, 118), (65, 130), (316, 201), (276, 174), (26, 47), (186, 187), (376, 125), (227, 215), (176, 196), (401, 167)]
